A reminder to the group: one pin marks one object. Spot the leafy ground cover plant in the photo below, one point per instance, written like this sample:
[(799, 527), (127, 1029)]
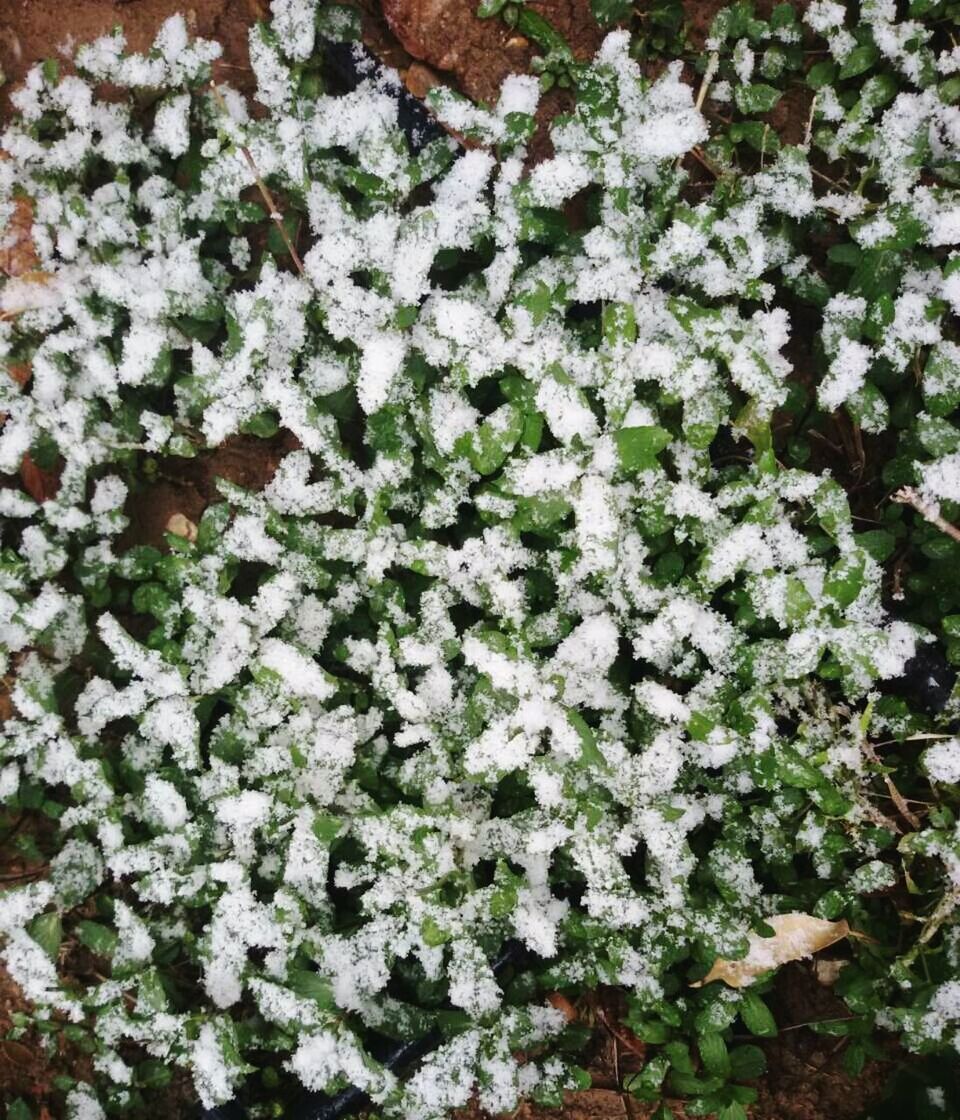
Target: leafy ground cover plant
[(550, 629)]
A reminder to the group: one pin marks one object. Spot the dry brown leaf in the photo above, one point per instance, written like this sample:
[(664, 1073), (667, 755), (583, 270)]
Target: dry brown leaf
[(20, 372), (18, 254), (40, 484), (797, 936), (562, 1004), (181, 526)]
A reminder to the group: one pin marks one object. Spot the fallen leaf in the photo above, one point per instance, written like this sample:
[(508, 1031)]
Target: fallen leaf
[(562, 1004), (41, 485), (181, 526), (797, 936), (18, 254), (20, 372)]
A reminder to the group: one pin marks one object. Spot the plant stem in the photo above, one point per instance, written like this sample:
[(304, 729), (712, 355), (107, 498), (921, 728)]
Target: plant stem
[(907, 496), (275, 216)]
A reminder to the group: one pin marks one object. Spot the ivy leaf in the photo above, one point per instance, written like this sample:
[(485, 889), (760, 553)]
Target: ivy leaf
[(589, 751)]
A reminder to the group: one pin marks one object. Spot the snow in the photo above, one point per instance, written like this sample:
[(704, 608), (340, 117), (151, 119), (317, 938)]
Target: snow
[(942, 761), (358, 653)]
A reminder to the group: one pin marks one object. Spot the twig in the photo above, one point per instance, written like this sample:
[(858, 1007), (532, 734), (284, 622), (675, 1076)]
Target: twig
[(808, 131), (944, 908), (275, 215), (929, 511), (895, 795), (698, 155), (713, 62)]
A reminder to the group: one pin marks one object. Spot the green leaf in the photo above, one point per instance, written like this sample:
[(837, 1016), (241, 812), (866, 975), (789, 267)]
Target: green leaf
[(609, 12), (714, 1054), (639, 446), (19, 1110), (543, 33), (732, 1111), (619, 324), (879, 543), (589, 751), (97, 937), (47, 931), (845, 580), (756, 1016), (488, 8), (747, 1062), (756, 98), (503, 899), (326, 827), (941, 379), (153, 1074), (822, 74), (858, 61), (496, 437), (433, 934), (311, 985)]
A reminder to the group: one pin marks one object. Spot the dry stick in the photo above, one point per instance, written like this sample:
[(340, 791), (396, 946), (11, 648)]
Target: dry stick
[(713, 62), (929, 511), (895, 795), (808, 131), (275, 215), (708, 75)]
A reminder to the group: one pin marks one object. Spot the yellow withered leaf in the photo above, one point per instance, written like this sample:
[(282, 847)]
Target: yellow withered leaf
[(797, 936)]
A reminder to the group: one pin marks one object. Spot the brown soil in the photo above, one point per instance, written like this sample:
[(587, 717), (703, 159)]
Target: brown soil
[(188, 486), (480, 53), (32, 30)]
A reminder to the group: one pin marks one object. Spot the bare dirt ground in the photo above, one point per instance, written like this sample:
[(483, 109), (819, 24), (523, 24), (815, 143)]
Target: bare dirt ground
[(427, 41)]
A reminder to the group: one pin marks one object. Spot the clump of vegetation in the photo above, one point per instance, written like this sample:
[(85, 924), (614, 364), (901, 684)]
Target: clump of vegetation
[(552, 629)]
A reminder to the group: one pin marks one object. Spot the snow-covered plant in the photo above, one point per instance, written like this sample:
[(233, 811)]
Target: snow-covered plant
[(533, 638)]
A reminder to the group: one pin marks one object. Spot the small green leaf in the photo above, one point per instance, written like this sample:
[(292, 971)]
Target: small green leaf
[(311, 985), (97, 937), (756, 98), (496, 437), (756, 1016), (714, 1054), (639, 446), (47, 931), (609, 12), (589, 751), (747, 1062), (488, 8), (858, 61), (432, 934), (822, 74)]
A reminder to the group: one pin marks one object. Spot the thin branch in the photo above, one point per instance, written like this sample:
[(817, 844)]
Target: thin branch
[(929, 511), (808, 131), (275, 215), (713, 62)]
